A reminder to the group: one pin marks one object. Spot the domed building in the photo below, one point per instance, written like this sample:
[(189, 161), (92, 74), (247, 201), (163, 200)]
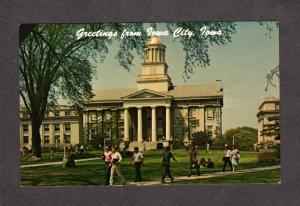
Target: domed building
[(156, 111)]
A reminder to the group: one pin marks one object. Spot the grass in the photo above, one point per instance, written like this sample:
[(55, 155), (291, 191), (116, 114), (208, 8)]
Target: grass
[(92, 172), (269, 176), (56, 156)]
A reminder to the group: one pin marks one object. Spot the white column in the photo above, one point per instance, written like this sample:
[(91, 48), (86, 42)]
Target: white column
[(153, 125), (62, 133), (126, 124), (51, 134), (168, 124), (140, 125), (30, 134), (160, 56), (21, 136)]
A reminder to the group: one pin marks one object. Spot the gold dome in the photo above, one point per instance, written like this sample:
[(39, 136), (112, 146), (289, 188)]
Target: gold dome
[(154, 40)]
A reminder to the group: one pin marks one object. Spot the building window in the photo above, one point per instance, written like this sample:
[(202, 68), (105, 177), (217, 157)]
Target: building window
[(56, 127), (25, 115), (46, 139), (217, 115), (25, 140), (67, 113), (56, 113), (46, 114), (25, 128), (210, 114), (209, 131), (67, 127), (276, 106), (93, 117), (57, 138), (68, 139), (46, 127)]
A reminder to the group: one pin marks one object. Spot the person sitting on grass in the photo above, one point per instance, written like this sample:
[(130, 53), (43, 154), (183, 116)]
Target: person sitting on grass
[(138, 159), (167, 155), (203, 162), (194, 161), (115, 168), (210, 164)]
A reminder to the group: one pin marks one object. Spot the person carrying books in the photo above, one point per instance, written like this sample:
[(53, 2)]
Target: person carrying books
[(115, 168)]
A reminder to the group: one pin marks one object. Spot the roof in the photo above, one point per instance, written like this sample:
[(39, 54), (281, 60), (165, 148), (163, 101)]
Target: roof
[(181, 91), (269, 100), (112, 94), (201, 90), (154, 40)]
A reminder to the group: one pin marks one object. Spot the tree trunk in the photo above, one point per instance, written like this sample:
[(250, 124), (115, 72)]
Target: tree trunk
[(36, 138)]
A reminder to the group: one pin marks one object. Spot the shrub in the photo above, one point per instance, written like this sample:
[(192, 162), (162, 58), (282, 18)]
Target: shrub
[(177, 144), (245, 137), (126, 153), (160, 145), (271, 157), (218, 144), (81, 155), (200, 138)]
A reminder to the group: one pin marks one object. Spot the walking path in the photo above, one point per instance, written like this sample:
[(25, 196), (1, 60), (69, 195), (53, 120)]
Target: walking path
[(205, 176), (57, 163)]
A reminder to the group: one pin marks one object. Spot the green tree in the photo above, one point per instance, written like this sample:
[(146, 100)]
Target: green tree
[(53, 62), (244, 137), (200, 138)]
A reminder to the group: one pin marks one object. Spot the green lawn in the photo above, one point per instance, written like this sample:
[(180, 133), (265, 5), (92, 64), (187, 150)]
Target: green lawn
[(92, 172), (56, 156), (269, 176)]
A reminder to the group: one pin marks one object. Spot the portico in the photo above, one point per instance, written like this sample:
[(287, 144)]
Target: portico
[(144, 105)]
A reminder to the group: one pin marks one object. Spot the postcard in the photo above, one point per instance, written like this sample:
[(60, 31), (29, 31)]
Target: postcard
[(147, 104)]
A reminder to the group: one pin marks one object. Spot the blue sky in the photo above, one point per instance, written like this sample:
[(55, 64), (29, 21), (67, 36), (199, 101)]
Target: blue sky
[(241, 65)]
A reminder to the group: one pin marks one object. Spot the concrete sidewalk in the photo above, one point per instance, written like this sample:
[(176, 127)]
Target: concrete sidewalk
[(205, 176), (57, 163)]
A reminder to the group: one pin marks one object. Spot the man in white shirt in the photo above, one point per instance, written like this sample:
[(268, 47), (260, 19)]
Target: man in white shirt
[(227, 157), (115, 168), (138, 159)]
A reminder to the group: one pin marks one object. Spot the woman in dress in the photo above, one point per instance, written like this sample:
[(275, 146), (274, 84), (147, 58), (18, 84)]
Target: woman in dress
[(235, 157)]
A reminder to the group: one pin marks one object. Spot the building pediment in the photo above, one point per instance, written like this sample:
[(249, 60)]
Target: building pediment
[(146, 94)]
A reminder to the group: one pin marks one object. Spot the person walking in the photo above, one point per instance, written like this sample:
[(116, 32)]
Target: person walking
[(235, 157), (167, 155), (138, 159), (115, 168), (194, 161), (108, 163), (227, 157)]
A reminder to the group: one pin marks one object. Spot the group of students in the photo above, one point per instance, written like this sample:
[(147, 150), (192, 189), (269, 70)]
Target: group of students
[(113, 158)]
